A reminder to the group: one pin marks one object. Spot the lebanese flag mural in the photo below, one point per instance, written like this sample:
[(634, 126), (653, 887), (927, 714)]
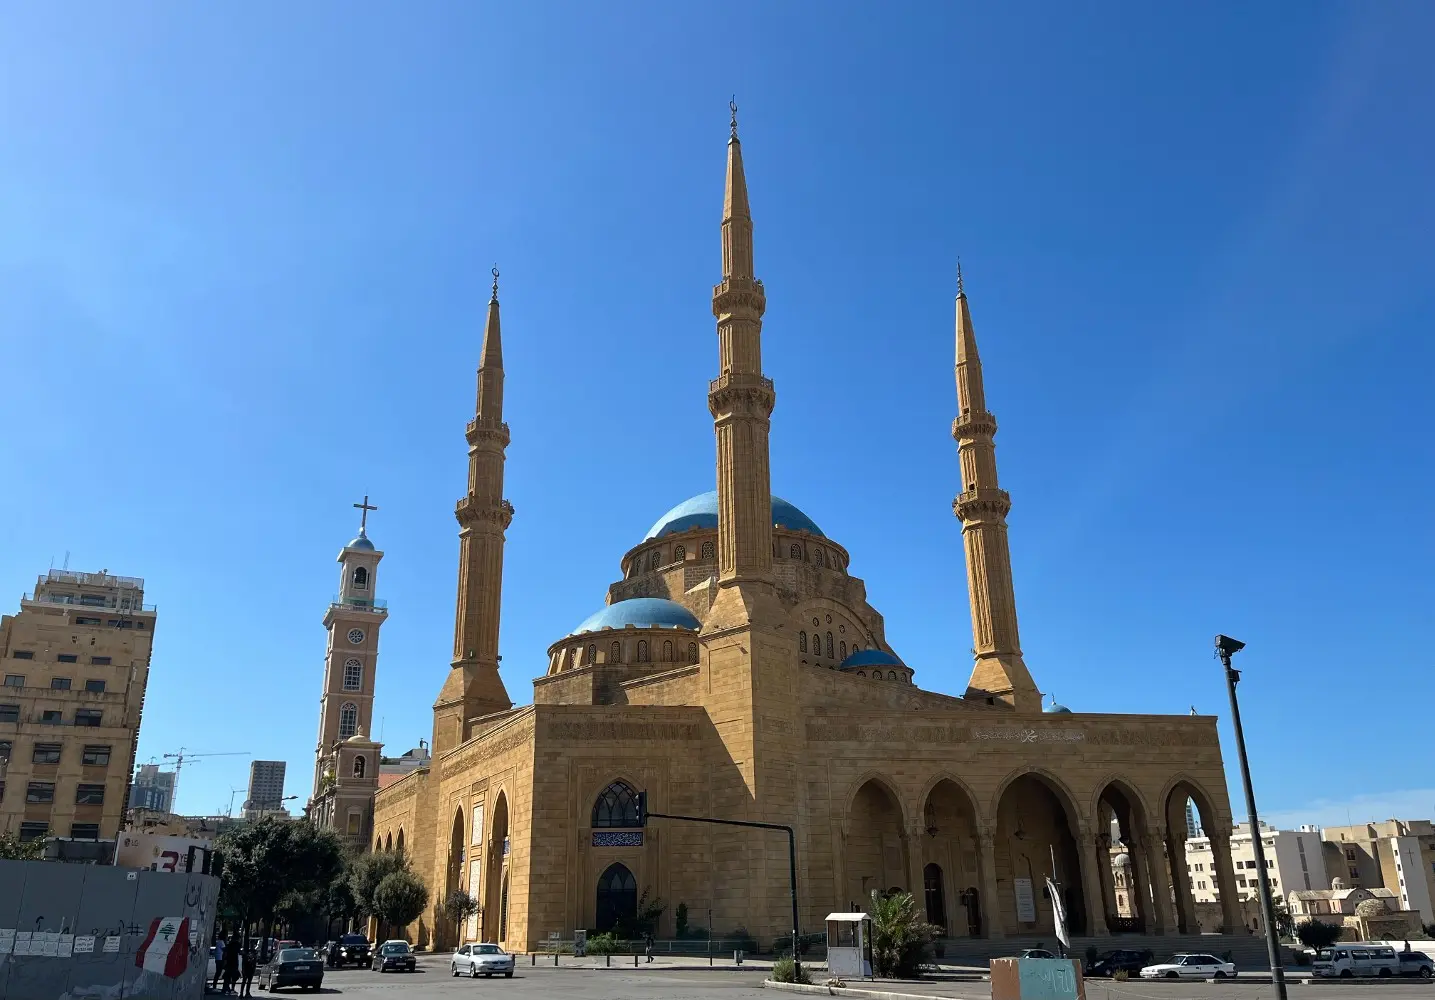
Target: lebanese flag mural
[(166, 947)]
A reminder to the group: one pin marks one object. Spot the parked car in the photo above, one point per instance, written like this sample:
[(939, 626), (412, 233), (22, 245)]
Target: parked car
[(482, 960), (1416, 963), (1131, 962), (1037, 953), (301, 967), (394, 955), (1196, 965), (1359, 958), (350, 949)]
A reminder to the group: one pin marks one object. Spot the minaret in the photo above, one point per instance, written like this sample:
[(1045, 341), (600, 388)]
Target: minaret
[(982, 506), (741, 398), (473, 687)]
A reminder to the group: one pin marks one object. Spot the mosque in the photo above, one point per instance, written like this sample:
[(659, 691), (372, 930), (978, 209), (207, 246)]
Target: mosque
[(736, 670)]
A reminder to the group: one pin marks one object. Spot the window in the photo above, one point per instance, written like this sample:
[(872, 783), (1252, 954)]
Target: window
[(1354, 872), (642, 650), (95, 687), (50, 717), (96, 756), (667, 650), (23, 654), (93, 600), (842, 649), (802, 642), (1350, 854), (355, 822), (59, 683), (361, 579), (679, 553), (4, 753), (348, 719), (829, 643), (707, 550), (615, 654), (9, 713), (617, 806), (654, 558), (120, 623), (85, 831), (692, 652), (14, 681), (359, 766), (87, 621), (33, 831), (353, 675), (819, 557), (891, 675), (40, 791), (90, 795), (590, 655), (100, 661), (46, 753), (88, 716), (68, 658)]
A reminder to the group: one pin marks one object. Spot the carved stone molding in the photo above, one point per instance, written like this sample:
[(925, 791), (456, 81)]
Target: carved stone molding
[(482, 431), (471, 511), (594, 731), (970, 426), (502, 742), (983, 502)]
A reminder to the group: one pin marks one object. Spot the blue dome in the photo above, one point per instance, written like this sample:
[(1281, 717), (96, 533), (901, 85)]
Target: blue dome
[(871, 658), (702, 512), (643, 612), (1055, 709), (362, 542)]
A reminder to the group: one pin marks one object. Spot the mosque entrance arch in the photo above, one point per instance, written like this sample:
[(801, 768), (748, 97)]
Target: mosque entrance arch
[(495, 917), (947, 844), (617, 903), (454, 873), (876, 848), (1036, 833)]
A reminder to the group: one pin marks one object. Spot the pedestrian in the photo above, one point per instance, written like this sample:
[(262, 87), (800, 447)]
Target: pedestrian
[(218, 961), (249, 962), (648, 944), (231, 966)]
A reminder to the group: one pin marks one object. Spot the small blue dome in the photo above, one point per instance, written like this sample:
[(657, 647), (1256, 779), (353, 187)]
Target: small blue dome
[(871, 658), (1055, 709), (702, 512), (362, 543), (642, 612)]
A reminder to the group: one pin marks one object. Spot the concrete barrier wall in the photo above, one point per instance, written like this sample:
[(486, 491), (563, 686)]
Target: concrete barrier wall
[(93, 932)]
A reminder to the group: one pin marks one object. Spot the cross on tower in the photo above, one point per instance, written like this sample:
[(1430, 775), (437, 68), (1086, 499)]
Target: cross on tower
[(364, 517)]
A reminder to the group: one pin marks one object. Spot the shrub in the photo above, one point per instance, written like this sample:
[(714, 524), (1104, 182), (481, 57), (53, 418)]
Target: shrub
[(1317, 934), (899, 935), (680, 921), (606, 943), (1121, 975), (785, 970)]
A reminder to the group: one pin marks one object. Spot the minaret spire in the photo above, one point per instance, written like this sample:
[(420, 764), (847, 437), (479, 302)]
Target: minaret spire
[(982, 506), (741, 398), (473, 687)]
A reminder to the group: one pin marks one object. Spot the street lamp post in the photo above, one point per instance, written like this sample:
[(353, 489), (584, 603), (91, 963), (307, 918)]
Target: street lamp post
[(1226, 647)]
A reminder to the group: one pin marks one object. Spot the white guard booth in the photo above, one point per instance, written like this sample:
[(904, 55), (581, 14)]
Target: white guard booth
[(849, 945)]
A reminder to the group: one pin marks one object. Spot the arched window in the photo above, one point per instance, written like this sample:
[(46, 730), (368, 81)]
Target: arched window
[(399, 844), (819, 557), (568, 659), (361, 579), (667, 650), (876, 675), (795, 552), (348, 719), (692, 652), (359, 766), (353, 675), (389, 844), (891, 675), (617, 897), (802, 642), (591, 655), (842, 649), (615, 655), (679, 553), (707, 550), (654, 557), (642, 650), (616, 807), (829, 643)]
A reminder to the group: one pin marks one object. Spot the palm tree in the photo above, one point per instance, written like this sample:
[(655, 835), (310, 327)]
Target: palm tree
[(899, 935)]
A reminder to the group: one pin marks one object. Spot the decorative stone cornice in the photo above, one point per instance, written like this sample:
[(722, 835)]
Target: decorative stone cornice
[(480, 430), (741, 395), (983, 502), (980, 424), (473, 512), (739, 295)]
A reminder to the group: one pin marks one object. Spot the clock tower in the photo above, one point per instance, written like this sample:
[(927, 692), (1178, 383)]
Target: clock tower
[(346, 771)]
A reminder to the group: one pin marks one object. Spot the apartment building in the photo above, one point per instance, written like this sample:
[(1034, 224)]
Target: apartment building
[(1294, 861), (1397, 854), (266, 786), (152, 790), (74, 663)]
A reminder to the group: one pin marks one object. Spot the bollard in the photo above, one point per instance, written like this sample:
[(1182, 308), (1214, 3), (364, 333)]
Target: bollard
[(608, 961), (737, 957), (555, 960), (533, 958), (635, 959)]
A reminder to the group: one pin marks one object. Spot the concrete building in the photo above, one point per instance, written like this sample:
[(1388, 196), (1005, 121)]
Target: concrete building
[(1398, 854), (152, 790), (266, 786), (1294, 860), (737, 670), (391, 769), (75, 662), (346, 766), (1364, 914)]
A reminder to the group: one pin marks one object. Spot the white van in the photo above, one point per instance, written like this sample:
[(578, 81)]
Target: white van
[(1360, 958)]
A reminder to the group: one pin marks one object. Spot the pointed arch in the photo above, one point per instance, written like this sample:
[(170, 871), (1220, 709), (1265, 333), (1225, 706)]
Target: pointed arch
[(617, 898), (616, 806), (1058, 787)]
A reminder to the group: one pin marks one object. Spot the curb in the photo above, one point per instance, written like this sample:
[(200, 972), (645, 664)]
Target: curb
[(847, 991)]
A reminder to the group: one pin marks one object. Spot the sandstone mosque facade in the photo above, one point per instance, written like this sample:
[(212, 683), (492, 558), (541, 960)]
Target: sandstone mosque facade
[(737, 671)]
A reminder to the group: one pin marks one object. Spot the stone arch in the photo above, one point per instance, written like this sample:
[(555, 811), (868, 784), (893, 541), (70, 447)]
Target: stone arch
[(947, 845), (876, 851), (399, 844), (457, 844), (1131, 888), (1036, 832), (614, 804), (616, 905), (389, 843), (1172, 817), (496, 871)]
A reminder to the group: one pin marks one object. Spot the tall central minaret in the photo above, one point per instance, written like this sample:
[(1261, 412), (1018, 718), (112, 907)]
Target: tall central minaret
[(741, 398), (983, 506), (474, 687)]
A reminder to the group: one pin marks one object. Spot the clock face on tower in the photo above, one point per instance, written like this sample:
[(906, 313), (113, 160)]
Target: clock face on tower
[(356, 635)]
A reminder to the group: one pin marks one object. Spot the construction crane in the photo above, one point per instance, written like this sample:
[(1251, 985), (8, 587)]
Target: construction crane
[(180, 758)]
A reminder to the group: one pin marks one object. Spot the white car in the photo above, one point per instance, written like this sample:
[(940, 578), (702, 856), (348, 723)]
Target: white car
[(482, 960), (1196, 965)]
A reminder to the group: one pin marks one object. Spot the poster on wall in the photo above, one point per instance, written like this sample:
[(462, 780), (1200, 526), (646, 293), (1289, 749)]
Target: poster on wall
[(1025, 901), (475, 868)]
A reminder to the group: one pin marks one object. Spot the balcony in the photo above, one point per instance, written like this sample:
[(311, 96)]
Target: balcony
[(377, 605), (88, 601)]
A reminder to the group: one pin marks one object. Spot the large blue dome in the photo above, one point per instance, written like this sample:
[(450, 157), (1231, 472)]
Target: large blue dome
[(702, 512), (642, 612), (871, 658)]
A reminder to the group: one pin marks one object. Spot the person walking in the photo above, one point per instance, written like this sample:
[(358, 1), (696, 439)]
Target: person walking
[(248, 964), (219, 946), (648, 944), (231, 966)]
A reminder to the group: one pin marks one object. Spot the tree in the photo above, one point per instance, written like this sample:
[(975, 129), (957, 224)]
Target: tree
[(1316, 934), (365, 874), (269, 859), (12, 848), (899, 935), (1429, 930), (400, 898), (458, 906), (680, 918)]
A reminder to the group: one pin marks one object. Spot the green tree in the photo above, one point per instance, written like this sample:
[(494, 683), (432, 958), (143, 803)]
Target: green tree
[(458, 906), (1429, 930), (899, 935), (265, 861), (400, 898), (12, 848), (1317, 934), (366, 872), (680, 918), (339, 901)]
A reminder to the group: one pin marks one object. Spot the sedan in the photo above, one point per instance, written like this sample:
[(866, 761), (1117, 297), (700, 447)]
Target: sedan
[(482, 960), (1130, 962), (393, 955), (301, 967), (1190, 966)]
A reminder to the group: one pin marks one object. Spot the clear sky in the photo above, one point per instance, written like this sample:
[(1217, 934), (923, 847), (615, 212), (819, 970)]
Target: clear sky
[(244, 256)]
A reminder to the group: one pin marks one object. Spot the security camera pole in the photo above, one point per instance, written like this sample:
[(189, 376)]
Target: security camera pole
[(1226, 647)]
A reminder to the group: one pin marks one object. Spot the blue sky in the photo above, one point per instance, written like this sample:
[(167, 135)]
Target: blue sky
[(244, 255)]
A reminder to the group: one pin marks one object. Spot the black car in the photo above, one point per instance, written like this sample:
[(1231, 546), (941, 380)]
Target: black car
[(301, 967), (350, 949), (393, 955), (1120, 961)]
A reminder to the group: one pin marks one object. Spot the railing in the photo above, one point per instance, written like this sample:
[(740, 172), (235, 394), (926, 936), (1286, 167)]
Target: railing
[(92, 579), (376, 604), (105, 604)]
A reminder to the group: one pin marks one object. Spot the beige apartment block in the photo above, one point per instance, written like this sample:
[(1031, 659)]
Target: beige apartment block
[(75, 662), (737, 670), (1397, 854), (1294, 860)]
